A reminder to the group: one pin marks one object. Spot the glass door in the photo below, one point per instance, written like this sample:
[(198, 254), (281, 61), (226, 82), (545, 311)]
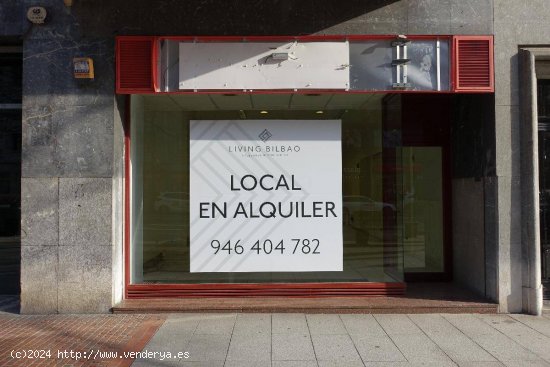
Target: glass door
[(544, 180), (544, 203)]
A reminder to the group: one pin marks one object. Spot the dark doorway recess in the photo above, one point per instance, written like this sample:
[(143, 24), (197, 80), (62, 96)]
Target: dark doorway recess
[(10, 169)]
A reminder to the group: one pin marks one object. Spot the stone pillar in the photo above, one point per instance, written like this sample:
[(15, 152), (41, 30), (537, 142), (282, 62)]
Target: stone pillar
[(516, 23), (67, 171), (530, 219)]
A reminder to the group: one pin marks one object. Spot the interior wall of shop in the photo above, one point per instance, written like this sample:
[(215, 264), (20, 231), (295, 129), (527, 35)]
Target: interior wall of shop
[(72, 130), (473, 167)]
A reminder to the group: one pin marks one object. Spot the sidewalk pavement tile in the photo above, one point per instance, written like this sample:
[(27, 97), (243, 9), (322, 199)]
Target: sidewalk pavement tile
[(174, 335), (526, 364), (289, 323), (250, 347), (294, 364), (292, 347), (320, 324), (419, 348), (199, 364), (216, 324), (451, 340), (196, 316), (410, 364), (469, 324), (341, 364), (247, 364), (497, 344), (209, 347), (285, 340), (108, 334), (252, 324), (433, 323), (146, 362), (520, 333), (362, 325), (168, 342), (377, 348), (540, 324), (335, 348), (433, 364), (397, 325)]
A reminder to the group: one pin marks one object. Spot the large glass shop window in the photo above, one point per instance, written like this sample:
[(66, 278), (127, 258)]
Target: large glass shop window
[(370, 210)]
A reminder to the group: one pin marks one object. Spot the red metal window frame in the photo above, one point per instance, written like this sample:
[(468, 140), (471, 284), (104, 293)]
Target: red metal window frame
[(312, 38), (252, 289), (234, 289), (454, 59)]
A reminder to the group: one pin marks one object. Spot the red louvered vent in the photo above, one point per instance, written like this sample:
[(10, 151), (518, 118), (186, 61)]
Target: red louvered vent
[(473, 64), (134, 65)]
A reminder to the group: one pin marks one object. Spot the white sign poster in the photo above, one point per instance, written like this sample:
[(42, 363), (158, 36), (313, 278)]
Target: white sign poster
[(264, 65), (265, 196)]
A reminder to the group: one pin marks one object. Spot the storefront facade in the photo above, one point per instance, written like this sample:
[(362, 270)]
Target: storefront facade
[(231, 160), (359, 159)]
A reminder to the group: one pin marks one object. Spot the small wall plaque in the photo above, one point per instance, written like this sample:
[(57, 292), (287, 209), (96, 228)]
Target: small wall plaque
[(83, 68), (37, 14)]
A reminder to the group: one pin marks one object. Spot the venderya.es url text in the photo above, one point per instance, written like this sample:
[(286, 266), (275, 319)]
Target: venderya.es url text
[(95, 354)]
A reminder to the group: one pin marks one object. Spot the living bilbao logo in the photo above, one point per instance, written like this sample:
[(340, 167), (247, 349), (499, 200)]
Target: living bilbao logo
[(265, 135), (266, 148)]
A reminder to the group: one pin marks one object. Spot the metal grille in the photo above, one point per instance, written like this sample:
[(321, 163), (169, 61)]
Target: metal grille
[(474, 69), (134, 65)]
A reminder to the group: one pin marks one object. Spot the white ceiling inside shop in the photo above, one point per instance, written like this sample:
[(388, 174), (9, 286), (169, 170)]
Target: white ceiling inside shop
[(225, 102)]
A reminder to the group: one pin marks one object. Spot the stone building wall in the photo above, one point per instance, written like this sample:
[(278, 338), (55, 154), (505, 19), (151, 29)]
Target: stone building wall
[(72, 130)]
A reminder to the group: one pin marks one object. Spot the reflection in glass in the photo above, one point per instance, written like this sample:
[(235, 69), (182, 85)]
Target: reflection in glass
[(423, 209)]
